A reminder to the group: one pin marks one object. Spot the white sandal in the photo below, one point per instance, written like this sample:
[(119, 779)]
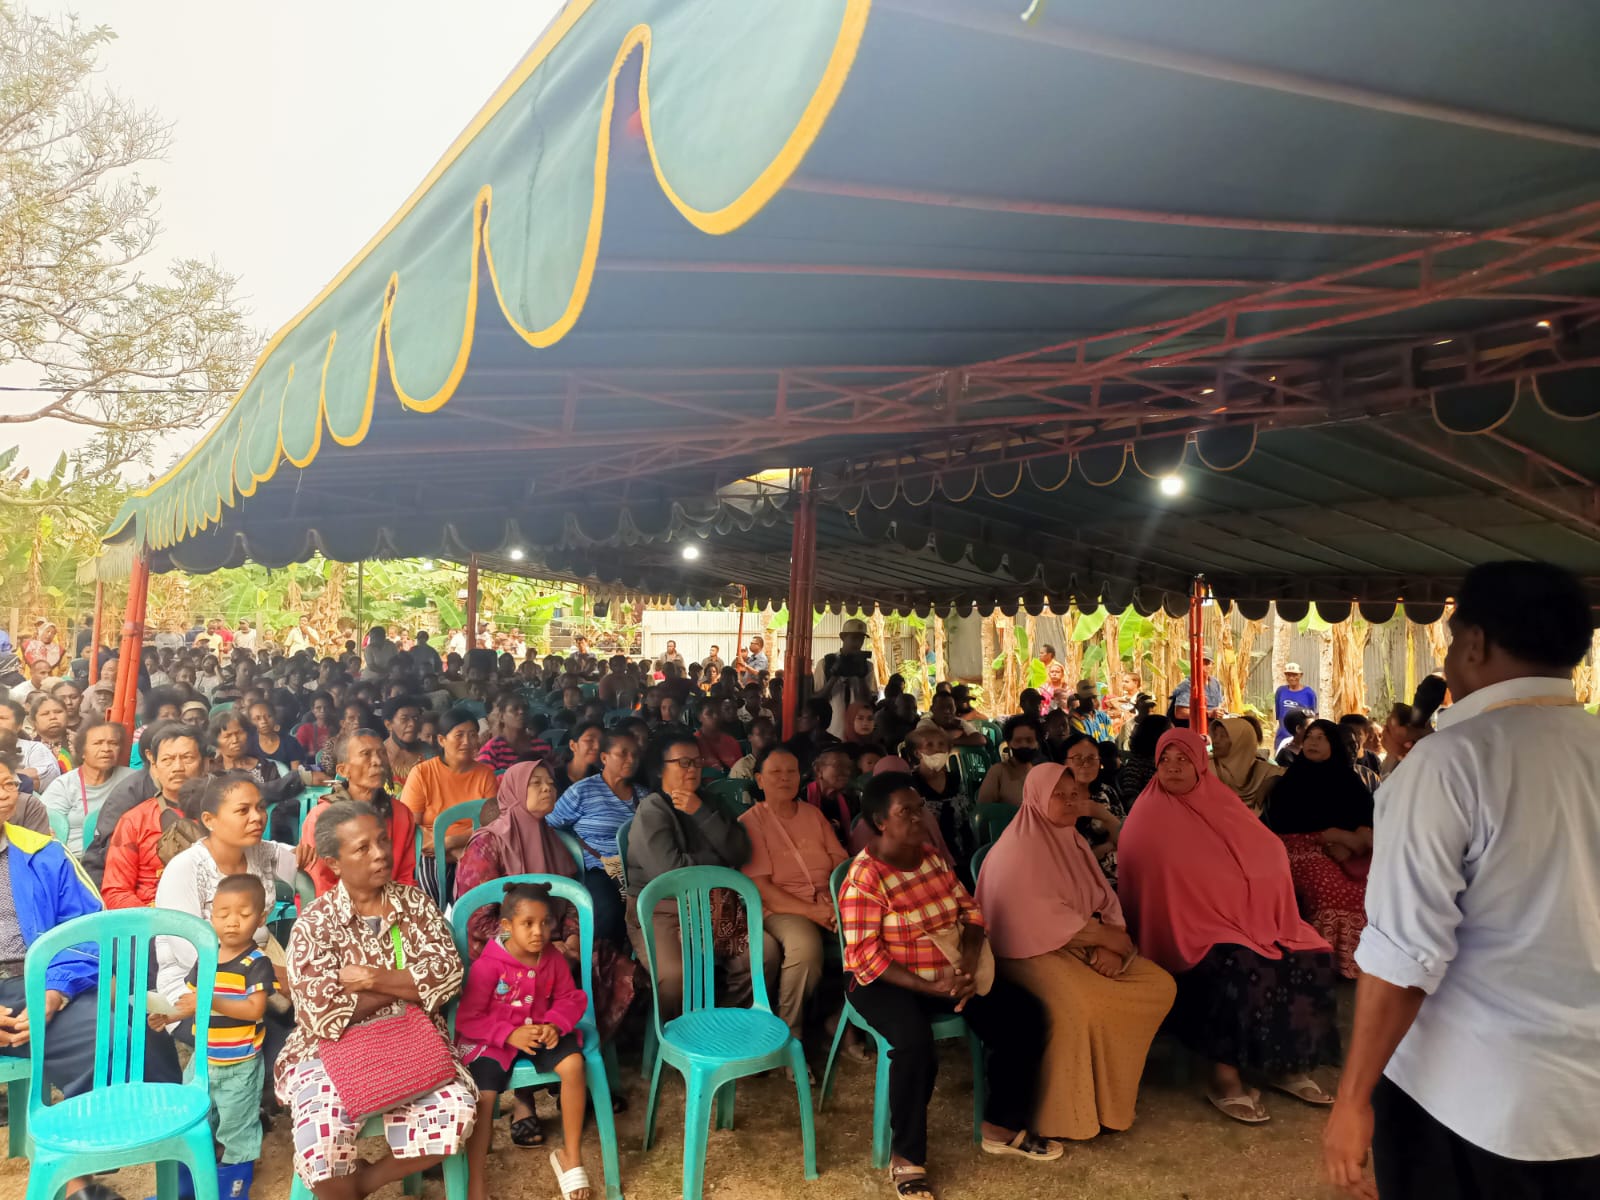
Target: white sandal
[(575, 1180)]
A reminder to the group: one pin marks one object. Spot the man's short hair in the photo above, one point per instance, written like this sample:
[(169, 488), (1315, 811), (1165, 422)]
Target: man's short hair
[(1535, 611)]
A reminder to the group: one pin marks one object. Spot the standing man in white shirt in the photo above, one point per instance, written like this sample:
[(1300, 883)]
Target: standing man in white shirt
[(1474, 1070)]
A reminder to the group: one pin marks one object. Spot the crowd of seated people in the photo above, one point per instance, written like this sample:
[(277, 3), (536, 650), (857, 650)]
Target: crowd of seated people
[(1138, 877)]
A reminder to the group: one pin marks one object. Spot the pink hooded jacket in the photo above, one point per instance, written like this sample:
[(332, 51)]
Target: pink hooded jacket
[(502, 994)]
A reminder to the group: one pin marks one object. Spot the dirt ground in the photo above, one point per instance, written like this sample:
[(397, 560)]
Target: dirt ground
[(1180, 1149)]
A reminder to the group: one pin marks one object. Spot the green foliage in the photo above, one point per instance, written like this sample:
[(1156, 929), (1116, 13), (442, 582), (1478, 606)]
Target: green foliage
[(1088, 625)]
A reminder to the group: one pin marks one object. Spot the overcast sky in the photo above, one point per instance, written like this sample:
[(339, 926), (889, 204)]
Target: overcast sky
[(298, 127)]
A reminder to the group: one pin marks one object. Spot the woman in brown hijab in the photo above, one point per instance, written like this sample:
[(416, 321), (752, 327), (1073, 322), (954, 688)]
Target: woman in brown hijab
[(1234, 742)]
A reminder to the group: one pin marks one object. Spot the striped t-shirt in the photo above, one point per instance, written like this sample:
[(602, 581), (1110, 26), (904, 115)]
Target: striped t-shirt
[(230, 1040)]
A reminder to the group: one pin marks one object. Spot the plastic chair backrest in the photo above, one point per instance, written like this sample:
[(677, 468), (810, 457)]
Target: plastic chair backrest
[(574, 847), (978, 856), (616, 716), (691, 887), (466, 810), (90, 823), (58, 825), (989, 821), (570, 890), (622, 847), (124, 941), (588, 690), (731, 797)]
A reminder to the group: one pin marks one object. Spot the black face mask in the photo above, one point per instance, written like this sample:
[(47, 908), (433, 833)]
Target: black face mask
[(1024, 754)]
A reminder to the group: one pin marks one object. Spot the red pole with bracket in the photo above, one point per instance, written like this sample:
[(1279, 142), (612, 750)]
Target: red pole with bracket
[(1197, 650)]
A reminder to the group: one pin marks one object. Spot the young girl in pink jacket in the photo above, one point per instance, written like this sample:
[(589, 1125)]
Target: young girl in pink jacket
[(520, 999)]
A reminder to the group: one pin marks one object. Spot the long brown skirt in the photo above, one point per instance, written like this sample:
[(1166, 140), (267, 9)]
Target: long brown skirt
[(1098, 1036)]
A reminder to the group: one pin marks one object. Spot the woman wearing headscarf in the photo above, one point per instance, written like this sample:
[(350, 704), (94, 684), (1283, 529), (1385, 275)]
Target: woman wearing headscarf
[(1323, 812), (860, 724), (43, 647), (1234, 742), (1058, 931), (1206, 889)]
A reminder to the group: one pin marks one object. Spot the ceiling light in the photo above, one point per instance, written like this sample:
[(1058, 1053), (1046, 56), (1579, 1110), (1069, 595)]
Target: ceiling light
[(1207, 391), (1171, 485), (1544, 324), (690, 553), (1444, 341), (517, 554)]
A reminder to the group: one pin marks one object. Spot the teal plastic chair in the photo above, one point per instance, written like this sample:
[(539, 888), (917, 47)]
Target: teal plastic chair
[(574, 847), (622, 848), (588, 690), (731, 797), (710, 1046), (58, 826), (978, 855), (122, 1120), (467, 810), (309, 799), (90, 823), (972, 764), (713, 774), (14, 1074), (945, 1028), (523, 1073), (989, 821)]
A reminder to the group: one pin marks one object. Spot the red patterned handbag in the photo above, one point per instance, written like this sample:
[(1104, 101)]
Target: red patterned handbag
[(381, 1063)]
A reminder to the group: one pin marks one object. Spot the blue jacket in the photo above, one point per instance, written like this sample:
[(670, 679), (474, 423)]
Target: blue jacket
[(48, 888)]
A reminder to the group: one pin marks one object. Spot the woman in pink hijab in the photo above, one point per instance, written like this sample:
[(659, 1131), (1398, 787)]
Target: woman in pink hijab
[(1057, 930), (1207, 893)]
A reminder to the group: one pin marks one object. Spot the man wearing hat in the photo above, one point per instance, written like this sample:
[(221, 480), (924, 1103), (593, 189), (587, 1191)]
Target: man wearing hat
[(1181, 694), (1087, 717), (847, 678), (1291, 696)]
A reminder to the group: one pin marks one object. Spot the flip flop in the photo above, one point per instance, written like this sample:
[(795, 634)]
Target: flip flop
[(1303, 1088), (1026, 1145), (528, 1133), (1246, 1109), (911, 1182), (574, 1180)]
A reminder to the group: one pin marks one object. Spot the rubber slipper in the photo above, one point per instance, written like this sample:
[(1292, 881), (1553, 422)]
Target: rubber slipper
[(1246, 1109), (570, 1181), (1026, 1145), (528, 1133), (1304, 1089), (912, 1183)]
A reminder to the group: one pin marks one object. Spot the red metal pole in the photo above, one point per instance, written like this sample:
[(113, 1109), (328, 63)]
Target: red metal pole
[(472, 602), (738, 639), (94, 634), (1197, 666), (802, 562), (125, 698)]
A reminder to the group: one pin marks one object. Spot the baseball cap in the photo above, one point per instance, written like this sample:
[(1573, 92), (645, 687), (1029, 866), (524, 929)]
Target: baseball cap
[(1086, 687), (1292, 669), (854, 625)]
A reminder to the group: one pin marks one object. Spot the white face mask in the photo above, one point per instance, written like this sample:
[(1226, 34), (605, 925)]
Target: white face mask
[(935, 762)]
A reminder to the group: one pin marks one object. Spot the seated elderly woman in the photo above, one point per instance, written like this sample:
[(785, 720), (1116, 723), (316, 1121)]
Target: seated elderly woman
[(941, 788), (372, 964), (1235, 757), (1323, 812), (1058, 931), (916, 945), (1020, 738), (674, 828), (362, 776), (793, 851), (46, 888), (436, 784), (1208, 895), (76, 797), (139, 850)]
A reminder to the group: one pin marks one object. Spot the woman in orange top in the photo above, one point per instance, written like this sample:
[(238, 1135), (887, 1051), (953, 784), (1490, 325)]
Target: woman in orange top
[(437, 783)]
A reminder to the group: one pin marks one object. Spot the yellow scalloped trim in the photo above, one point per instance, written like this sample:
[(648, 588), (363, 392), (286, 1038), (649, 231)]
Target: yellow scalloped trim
[(716, 222), (1255, 437), (1516, 397), (1133, 453)]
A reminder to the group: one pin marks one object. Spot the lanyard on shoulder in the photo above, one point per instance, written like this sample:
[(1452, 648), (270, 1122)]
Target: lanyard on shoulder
[(399, 949)]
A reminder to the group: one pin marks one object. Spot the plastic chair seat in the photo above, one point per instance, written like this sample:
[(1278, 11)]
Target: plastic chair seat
[(112, 1118), (726, 1034)]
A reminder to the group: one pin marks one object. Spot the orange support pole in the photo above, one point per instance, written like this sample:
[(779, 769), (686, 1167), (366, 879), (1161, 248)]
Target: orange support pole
[(472, 602), (125, 698), (95, 630), (1197, 666), (802, 574)]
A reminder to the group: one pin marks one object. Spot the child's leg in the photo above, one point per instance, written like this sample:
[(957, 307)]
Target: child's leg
[(236, 1095), (574, 1099), (478, 1147)]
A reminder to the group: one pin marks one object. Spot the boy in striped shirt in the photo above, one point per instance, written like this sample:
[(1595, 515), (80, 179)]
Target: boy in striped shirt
[(245, 981)]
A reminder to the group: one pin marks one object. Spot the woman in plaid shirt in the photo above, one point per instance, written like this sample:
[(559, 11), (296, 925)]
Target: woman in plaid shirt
[(898, 890)]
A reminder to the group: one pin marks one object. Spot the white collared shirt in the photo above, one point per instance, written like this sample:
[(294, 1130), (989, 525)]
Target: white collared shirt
[(1485, 893)]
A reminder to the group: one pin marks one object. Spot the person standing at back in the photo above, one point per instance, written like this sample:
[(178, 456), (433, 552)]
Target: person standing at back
[(1474, 1069), (1290, 696)]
